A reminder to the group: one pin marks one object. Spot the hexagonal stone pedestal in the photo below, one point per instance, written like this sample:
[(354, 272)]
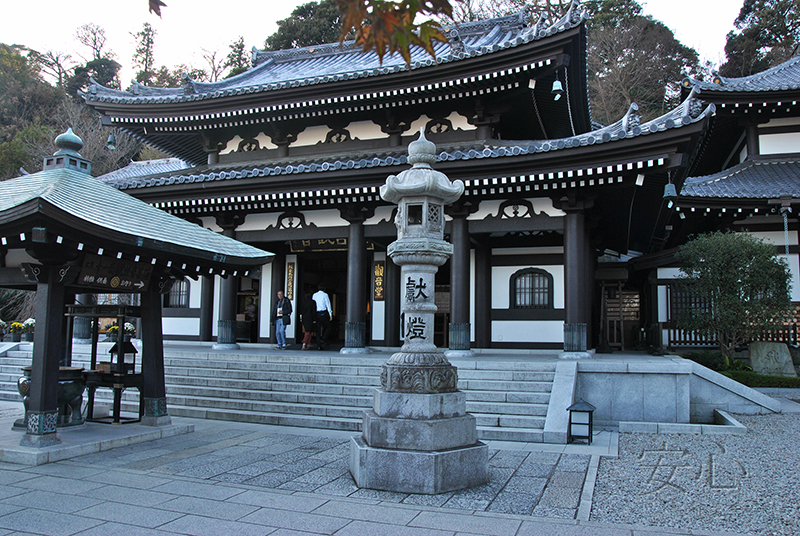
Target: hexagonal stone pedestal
[(418, 443)]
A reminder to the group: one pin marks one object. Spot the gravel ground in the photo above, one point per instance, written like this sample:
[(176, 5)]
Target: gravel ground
[(746, 483)]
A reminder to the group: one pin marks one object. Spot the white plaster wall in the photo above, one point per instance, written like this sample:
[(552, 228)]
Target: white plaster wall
[(743, 154), (668, 273), (501, 278), (365, 130), (215, 311), (15, 257), (541, 205), (781, 122), (265, 141), (460, 122), (258, 222), (195, 287), (416, 125), (382, 213), (528, 331), (265, 302), (311, 136), (528, 251), (378, 307), (788, 142), (209, 222), (232, 145), (180, 326), (663, 302), (325, 218)]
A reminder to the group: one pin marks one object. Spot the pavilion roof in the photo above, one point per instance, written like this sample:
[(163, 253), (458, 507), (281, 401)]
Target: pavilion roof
[(85, 210), (321, 64), (758, 177)]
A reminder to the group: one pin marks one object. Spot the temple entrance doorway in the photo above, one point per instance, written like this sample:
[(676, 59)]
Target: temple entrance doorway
[(329, 268)]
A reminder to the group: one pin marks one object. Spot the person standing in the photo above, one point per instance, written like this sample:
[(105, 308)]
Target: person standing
[(308, 314), (324, 316), (281, 317)]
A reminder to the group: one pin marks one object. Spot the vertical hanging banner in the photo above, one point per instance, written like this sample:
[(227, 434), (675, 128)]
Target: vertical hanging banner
[(289, 281), (378, 291)]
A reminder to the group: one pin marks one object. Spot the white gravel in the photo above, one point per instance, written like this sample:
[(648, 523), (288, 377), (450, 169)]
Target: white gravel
[(747, 483)]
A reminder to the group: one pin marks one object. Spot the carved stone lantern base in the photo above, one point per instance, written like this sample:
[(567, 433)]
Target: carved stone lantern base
[(418, 443)]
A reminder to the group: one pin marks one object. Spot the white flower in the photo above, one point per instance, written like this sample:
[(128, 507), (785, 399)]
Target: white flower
[(130, 329)]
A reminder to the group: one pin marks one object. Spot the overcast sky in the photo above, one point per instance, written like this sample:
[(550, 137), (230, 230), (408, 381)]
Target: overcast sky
[(190, 26)]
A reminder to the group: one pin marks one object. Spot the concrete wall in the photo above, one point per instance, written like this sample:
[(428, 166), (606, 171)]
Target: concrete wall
[(672, 390)]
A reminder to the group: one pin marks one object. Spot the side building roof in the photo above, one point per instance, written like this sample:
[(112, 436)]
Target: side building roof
[(758, 177)]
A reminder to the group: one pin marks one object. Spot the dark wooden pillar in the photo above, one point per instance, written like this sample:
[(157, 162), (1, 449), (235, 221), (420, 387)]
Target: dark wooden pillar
[(82, 325), (355, 329), (391, 323), (751, 134), (226, 324), (483, 295), (206, 308), (154, 392), (577, 293), (459, 283), (48, 347)]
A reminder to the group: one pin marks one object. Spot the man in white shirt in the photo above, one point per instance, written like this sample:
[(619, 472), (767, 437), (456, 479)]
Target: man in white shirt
[(324, 315)]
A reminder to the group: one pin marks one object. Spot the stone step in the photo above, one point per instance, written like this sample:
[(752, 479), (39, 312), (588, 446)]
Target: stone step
[(273, 396), (504, 386), (514, 397), (510, 421)]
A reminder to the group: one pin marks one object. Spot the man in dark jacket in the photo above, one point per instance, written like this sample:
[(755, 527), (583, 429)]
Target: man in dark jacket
[(281, 317)]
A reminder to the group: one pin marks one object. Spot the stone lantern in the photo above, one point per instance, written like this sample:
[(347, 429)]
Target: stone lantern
[(418, 437)]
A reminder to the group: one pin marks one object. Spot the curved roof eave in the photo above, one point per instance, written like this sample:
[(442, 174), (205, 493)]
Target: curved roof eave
[(758, 177), (689, 112), (783, 77), (290, 68), (82, 202)]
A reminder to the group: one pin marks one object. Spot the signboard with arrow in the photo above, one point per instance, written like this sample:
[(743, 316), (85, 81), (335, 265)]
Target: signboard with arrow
[(115, 275)]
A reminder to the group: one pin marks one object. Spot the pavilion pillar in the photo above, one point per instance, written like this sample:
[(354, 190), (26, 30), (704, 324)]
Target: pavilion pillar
[(577, 299), (206, 308), (48, 346), (483, 296), (459, 285), (226, 325), (391, 287), (355, 328), (154, 391)]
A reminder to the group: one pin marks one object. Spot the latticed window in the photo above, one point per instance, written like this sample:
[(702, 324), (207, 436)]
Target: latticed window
[(532, 288), (681, 300), (178, 295)]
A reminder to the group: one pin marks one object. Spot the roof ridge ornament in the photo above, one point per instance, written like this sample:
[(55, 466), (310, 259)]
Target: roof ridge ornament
[(188, 84), (631, 119), (67, 156)]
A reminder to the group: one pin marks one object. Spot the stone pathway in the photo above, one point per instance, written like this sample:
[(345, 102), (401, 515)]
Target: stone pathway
[(521, 482)]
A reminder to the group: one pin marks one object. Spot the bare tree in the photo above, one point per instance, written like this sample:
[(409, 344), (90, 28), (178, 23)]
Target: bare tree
[(215, 65), (94, 37), (471, 10), (57, 65), (86, 124)]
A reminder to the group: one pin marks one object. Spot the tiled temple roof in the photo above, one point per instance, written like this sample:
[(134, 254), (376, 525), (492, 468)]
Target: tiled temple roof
[(759, 177), (145, 167), (83, 198), (628, 127), (783, 77), (332, 62)]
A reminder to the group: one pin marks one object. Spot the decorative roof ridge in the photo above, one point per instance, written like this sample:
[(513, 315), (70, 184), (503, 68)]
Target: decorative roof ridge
[(721, 83), (676, 118), (507, 32), (749, 162)]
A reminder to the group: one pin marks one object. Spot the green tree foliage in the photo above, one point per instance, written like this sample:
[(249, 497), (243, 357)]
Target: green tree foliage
[(633, 58), (103, 70), (767, 33), (144, 55), (313, 23), (26, 103), (237, 60), (738, 287)]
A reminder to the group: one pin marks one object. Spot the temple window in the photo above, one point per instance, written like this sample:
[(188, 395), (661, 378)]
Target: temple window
[(531, 288)]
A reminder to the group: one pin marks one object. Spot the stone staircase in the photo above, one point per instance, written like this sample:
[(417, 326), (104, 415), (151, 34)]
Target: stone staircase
[(321, 390)]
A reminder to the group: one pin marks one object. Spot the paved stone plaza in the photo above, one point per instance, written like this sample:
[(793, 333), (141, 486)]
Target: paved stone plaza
[(235, 478)]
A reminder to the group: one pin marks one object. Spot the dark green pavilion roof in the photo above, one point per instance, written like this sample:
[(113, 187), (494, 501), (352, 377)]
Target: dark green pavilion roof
[(83, 210)]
